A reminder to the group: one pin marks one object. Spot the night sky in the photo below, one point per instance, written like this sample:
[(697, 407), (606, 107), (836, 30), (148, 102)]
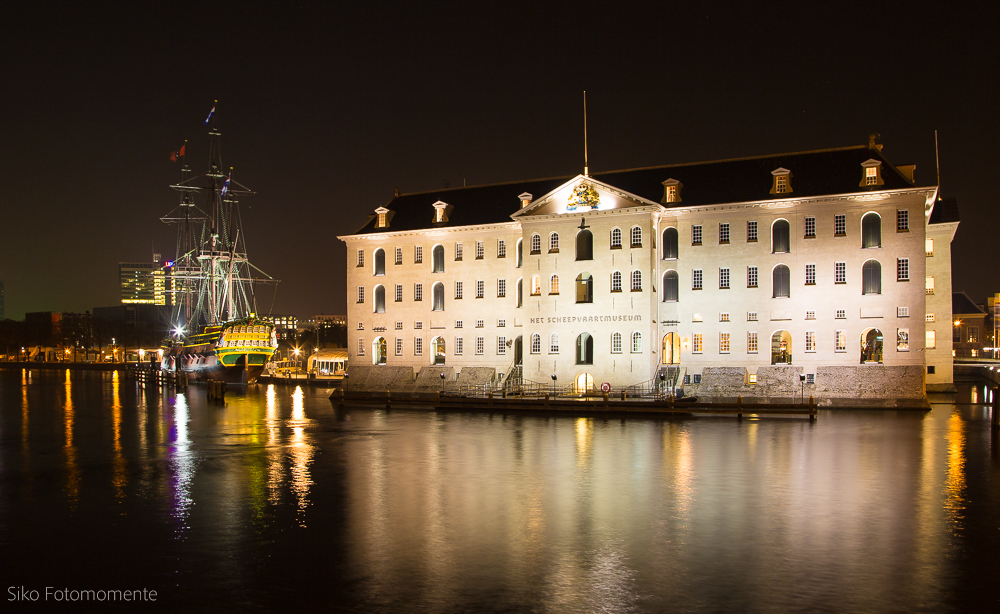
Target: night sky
[(326, 110)]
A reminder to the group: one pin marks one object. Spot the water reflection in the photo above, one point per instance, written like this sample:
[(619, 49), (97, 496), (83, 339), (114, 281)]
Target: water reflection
[(275, 453), (955, 482), (301, 452), (182, 465), (72, 471), (119, 476)]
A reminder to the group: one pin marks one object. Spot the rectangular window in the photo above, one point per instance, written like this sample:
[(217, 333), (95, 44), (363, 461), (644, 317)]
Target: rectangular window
[(810, 315), (841, 314), (501, 248), (723, 343), (553, 343), (501, 288), (361, 294), (902, 269), (752, 378), (399, 346), (361, 346), (929, 247), (399, 293), (840, 341), (480, 345), (696, 235), (418, 254), (810, 228), (458, 251), (418, 346), (902, 220), (810, 378), (929, 285), (616, 343), (361, 325), (752, 231), (697, 378), (902, 312), (810, 341), (751, 343), (956, 334), (724, 232), (361, 257), (501, 323), (724, 278), (696, 279), (840, 225), (973, 334), (459, 346), (480, 289), (418, 292), (480, 251), (902, 340), (840, 273), (723, 317), (929, 317), (399, 326), (697, 343), (931, 341), (696, 317), (458, 289), (751, 316), (810, 274), (418, 325), (399, 255), (751, 277), (501, 346), (458, 324)]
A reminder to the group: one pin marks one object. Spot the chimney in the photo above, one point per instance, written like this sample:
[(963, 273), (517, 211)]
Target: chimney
[(525, 199)]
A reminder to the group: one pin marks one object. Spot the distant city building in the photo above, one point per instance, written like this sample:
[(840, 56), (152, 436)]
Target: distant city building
[(285, 326), (968, 328), (144, 283), (768, 276)]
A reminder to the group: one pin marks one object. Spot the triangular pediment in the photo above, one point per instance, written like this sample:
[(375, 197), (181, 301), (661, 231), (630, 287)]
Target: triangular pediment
[(582, 194)]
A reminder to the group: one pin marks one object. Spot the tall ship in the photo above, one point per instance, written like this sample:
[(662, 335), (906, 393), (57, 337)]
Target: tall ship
[(215, 332)]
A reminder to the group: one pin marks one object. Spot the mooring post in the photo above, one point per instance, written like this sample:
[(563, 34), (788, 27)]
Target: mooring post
[(812, 408), (995, 418), (739, 407)]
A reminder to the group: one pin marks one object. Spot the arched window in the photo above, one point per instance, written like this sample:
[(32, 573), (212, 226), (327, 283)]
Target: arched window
[(379, 351), (781, 348), (584, 245), (616, 238), (670, 293), (780, 281), (636, 281), (520, 253), (438, 258), (536, 285), (584, 288), (438, 302), (636, 236), (871, 275), (536, 244), (554, 343), (616, 281), (871, 346), (554, 242), (616, 343), (670, 243), (636, 342), (536, 343), (584, 349), (779, 237), (380, 299), (438, 347), (871, 230), (520, 291), (554, 284), (380, 261)]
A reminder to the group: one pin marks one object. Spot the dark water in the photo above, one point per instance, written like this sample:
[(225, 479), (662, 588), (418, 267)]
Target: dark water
[(278, 501)]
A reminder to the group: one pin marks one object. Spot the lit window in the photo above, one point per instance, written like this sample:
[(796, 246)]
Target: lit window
[(902, 340), (723, 317), (782, 181), (871, 176), (723, 343), (554, 284), (929, 285), (751, 277), (616, 281), (751, 343), (724, 278), (751, 231), (929, 246), (840, 341), (696, 234), (810, 341), (902, 269), (696, 279), (697, 343), (554, 242), (753, 378), (929, 317), (724, 232), (931, 340)]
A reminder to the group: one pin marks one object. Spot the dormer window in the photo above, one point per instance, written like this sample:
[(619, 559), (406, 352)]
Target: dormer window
[(782, 182), (671, 191), (384, 215), (872, 173), (441, 210)]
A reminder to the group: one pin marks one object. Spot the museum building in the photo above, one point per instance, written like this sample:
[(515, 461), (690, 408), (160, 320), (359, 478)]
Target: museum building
[(823, 273)]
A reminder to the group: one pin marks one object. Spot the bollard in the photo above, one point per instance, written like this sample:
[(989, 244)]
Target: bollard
[(623, 395), (605, 395), (739, 407), (812, 408)]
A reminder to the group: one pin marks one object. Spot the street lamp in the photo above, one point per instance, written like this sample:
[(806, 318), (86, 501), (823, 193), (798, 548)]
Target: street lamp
[(554, 384)]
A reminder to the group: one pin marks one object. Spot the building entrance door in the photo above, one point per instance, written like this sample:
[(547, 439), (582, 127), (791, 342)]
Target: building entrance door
[(671, 354)]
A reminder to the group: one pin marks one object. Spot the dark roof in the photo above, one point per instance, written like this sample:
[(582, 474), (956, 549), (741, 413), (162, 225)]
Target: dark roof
[(945, 210), (962, 304), (814, 173)]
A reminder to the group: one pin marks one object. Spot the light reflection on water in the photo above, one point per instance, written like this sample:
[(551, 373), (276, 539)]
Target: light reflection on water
[(278, 499)]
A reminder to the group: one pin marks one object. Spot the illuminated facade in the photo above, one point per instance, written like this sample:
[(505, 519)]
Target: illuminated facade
[(144, 283), (738, 277)]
